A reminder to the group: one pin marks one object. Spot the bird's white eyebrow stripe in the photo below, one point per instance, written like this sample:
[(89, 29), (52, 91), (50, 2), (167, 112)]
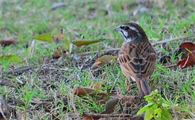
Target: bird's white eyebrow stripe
[(132, 28), (135, 29)]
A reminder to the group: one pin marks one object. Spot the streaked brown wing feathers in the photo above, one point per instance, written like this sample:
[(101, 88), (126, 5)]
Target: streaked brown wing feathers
[(137, 62)]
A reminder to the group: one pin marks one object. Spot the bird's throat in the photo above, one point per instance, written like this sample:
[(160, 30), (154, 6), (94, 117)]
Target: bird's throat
[(131, 39)]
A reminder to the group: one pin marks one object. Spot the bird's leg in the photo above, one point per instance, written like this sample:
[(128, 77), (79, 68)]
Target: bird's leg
[(140, 92)]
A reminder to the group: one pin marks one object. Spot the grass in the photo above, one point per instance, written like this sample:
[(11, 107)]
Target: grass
[(89, 20)]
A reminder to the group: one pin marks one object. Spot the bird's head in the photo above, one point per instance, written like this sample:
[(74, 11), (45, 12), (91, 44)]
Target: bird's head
[(131, 32)]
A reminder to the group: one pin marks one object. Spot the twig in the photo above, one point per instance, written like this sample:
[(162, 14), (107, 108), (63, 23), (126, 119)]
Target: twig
[(108, 50), (124, 116), (58, 5), (97, 116), (169, 66), (20, 70), (53, 68), (172, 39), (159, 42)]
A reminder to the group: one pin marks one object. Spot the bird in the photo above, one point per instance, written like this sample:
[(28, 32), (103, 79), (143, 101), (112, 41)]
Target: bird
[(136, 57)]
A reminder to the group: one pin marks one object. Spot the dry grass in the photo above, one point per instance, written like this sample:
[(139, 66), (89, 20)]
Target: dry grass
[(46, 91)]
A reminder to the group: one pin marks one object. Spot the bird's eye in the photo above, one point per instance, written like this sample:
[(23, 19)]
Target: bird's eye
[(125, 27)]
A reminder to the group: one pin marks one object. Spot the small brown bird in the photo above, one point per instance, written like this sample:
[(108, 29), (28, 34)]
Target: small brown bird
[(136, 57)]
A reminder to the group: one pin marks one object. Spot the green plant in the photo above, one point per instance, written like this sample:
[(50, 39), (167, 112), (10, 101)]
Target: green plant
[(157, 107), (26, 98)]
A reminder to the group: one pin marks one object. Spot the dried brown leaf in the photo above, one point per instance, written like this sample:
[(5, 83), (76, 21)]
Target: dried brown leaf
[(8, 41), (87, 117), (186, 48), (81, 91), (110, 105), (188, 57), (187, 62), (58, 53)]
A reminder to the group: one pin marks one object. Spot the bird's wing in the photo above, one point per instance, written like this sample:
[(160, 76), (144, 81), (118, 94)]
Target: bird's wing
[(137, 60)]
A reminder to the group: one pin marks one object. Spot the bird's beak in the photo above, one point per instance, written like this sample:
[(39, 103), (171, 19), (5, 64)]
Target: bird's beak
[(117, 29)]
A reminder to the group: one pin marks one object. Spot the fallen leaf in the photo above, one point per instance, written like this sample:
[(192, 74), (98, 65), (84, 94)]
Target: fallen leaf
[(96, 85), (104, 60), (186, 48), (8, 41), (46, 37), (80, 91), (188, 45), (188, 57), (58, 53), (84, 42), (187, 62), (87, 117), (10, 58), (110, 105)]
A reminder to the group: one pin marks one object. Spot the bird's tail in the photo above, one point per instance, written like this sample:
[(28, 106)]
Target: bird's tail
[(143, 87)]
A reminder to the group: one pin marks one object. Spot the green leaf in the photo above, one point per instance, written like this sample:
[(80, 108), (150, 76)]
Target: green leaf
[(165, 51), (158, 111), (104, 60), (67, 45), (46, 37), (10, 58), (84, 42), (20, 107), (166, 104), (166, 115), (148, 114), (145, 108), (161, 68)]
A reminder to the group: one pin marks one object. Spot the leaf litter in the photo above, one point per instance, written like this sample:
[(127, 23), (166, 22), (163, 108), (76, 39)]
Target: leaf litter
[(52, 71), (57, 69), (6, 111), (8, 41)]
